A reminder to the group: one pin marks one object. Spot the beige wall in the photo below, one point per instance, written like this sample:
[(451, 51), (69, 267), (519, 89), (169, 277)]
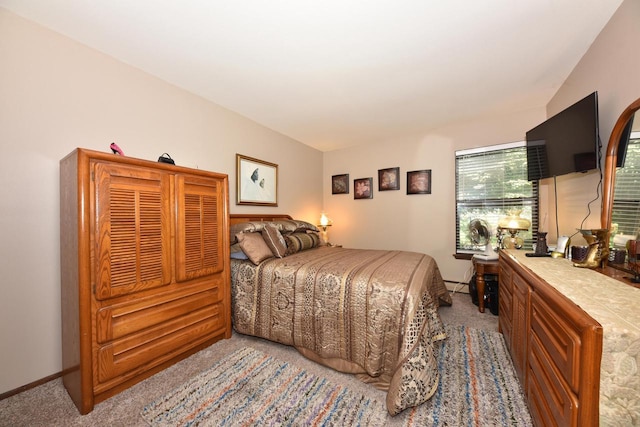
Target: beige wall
[(611, 67), (55, 95)]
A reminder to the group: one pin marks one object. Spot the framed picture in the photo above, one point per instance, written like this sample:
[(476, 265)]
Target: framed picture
[(257, 182), (388, 179), (362, 188), (419, 182), (340, 184)]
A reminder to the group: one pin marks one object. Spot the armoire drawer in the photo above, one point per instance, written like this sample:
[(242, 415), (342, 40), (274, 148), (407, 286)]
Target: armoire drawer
[(558, 338), (151, 346), (120, 320)]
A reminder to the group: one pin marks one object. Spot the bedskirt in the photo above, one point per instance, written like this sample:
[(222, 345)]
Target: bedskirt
[(372, 313)]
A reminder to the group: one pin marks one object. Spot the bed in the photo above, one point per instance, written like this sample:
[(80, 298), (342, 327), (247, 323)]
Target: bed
[(371, 313)]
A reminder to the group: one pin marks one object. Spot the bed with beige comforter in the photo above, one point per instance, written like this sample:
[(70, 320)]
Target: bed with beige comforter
[(372, 313)]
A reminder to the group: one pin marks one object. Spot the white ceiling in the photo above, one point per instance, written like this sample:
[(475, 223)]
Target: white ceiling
[(338, 73)]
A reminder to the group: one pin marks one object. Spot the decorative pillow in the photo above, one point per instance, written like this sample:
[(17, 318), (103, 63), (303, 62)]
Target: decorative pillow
[(274, 240), (285, 225), (303, 226), (236, 251), (297, 242), (239, 255), (245, 227), (254, 246)]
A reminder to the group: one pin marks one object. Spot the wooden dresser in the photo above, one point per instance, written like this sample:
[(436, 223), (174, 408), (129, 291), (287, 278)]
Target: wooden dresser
[(556, 347), (144, 269)]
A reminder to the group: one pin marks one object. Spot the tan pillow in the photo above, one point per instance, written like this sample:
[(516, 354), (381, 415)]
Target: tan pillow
[(274, 240), (254, 246)]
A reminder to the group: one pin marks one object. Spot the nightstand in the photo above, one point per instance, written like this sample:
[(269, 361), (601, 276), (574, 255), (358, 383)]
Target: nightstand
[(483, 267)]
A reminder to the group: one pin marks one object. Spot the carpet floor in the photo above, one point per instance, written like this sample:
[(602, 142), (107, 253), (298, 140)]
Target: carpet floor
[(478, 387), (50, 405)]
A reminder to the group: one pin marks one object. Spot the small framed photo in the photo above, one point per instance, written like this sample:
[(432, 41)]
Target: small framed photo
[(257, 182), (419, 182), (362, 188), (340, 184), (388, 179)]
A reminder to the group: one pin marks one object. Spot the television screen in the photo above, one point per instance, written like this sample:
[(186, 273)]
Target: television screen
[(567, 142)]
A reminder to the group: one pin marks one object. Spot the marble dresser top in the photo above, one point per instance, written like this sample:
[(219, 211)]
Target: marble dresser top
[(616, 306)]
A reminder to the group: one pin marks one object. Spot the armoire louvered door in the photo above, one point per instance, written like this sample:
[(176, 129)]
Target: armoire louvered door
[(133, 228), (144, 269), (199, 238)]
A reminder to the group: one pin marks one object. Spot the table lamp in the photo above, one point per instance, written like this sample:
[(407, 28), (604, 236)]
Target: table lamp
[(324, 223), (513, 224)]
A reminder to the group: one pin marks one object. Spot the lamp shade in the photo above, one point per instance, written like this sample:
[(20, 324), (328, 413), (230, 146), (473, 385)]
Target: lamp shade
[(514, 222), (324, 221)]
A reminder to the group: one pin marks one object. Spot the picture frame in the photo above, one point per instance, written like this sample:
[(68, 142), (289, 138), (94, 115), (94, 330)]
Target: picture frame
[(340, 184), (389, 179), (363, 188), (257, 182), (419, 182)]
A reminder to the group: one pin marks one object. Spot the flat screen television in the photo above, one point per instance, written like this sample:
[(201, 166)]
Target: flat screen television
[(565, 143)]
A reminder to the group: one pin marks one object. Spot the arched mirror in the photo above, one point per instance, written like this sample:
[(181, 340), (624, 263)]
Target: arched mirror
[(621, 192)]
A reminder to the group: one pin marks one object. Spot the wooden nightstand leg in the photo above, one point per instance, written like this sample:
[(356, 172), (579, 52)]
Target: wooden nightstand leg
[(480, 285)]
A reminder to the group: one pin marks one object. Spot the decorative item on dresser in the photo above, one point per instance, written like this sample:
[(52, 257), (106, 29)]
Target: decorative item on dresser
[(145, 269), (512, 224)]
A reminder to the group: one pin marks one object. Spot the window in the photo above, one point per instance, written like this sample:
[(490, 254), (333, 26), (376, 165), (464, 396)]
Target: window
[(626, 197), (490, 183)]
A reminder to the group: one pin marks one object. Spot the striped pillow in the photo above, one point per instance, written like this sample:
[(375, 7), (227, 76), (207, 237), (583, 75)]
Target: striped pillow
[(297, 242)]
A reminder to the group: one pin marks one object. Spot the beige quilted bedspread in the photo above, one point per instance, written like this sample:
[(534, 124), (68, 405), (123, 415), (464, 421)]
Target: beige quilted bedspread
[(368, 312)]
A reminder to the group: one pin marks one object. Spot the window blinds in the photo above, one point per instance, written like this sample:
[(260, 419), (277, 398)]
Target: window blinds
[(626, 197), (491, 182)]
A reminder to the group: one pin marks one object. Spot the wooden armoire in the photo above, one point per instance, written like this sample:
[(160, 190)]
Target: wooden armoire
[(144, 269)]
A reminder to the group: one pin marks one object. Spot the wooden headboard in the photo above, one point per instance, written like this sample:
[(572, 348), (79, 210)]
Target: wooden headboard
[(238, 218)]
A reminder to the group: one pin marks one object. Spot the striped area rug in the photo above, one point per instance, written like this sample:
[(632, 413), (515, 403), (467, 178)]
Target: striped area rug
[(478, 387)]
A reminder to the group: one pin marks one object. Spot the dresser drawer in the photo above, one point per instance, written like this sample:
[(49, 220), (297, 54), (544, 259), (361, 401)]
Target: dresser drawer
[(505, 276), (120, 320), (505, 300), (551, 400), (559, 339), (505, 304), (143, 350), (504, 319)]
